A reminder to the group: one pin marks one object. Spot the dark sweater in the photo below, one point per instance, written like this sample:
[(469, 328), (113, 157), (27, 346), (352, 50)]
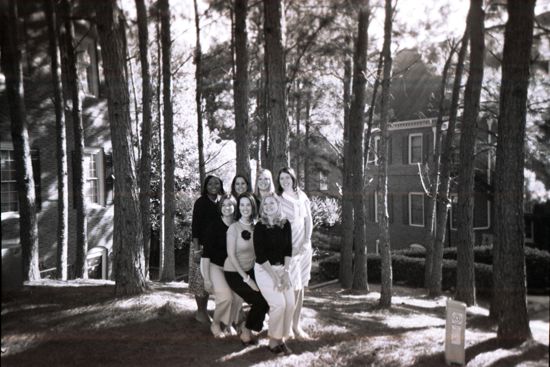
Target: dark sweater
[(272, 243), (215, 243), (205, 211)]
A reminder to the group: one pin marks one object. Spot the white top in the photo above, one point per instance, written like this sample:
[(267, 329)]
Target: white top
[(296, 211), (244, 248)]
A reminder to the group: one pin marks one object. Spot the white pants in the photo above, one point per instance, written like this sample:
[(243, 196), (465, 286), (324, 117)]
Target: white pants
[(228, 303), (300, 268), (281, 304)]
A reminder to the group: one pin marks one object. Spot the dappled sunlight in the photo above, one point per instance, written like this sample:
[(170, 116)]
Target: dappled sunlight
[(412, 321), (540, 330)]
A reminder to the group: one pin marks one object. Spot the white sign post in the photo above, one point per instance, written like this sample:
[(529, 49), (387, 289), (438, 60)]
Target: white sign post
[(455, 328)]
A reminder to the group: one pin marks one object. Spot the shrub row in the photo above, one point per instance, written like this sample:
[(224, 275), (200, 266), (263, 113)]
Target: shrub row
[(410, 271)]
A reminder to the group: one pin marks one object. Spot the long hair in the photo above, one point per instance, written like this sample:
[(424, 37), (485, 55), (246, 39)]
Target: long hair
[(250, 197), (225, 197), (276, 220), (263, 171), (248, 188), (204, 191), (292, 174)]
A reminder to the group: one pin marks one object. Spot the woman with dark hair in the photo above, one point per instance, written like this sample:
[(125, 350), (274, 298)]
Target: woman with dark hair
[(239, 185), (295, 206), (239, 266), (273, 247), (264, 185), (205, 210), (228, 303)]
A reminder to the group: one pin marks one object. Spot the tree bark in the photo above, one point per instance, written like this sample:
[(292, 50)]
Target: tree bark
[(433, 268), (382, 192), (346, 252), (275, 85), (168, 270), (509, 265), (356, 131), (13, 71), (145, 161), (241, 89), (61, 145), (307, 129), (128, 235), (79, 181), (198, 94), (465, 277)]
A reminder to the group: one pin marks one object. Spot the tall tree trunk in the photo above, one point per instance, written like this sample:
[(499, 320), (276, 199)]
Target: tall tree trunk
[(168, 271), (128, 235), (382, 192), (445, 160), (61, 145), (145, 161), (307, 129), (433, 267), (198, 94), (346, 252), (241, 90), (356, 131), (13, 71), (275, 84), (298, 148), (510, 278), (465, 277), (73, 91), (161, 144)]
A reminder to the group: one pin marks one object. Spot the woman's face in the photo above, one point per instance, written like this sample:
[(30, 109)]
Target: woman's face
[(213, 186), (240, 185), (227, 208), (264, 182), (285, 180), (270, 206), (245, 208)]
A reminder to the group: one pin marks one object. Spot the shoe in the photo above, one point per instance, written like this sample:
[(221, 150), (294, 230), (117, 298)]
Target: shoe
[(216, 330), (278, 350), (286, 349), (230, 330), (252, 341), (300, 334)]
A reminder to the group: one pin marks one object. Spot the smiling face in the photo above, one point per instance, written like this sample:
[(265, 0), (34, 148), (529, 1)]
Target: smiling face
[(227, 208), (264, 181), (240, 185), (213, 186), (245, 208), (286, 182), (270, 206)]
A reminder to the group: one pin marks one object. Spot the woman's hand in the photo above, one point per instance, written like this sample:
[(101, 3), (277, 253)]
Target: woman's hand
[(284, 281), (252, 284), (197, 254), (208, 286)]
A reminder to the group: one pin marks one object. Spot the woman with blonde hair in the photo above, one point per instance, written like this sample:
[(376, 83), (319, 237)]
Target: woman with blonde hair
[(264, 185), (296, 207), (273, 248)]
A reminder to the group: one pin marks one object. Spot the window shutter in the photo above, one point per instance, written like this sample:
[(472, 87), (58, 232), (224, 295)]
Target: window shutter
[(372, 214), (389, 150), (36, 172), (426, 210), (427, 146), (405, 150), (405, 207), (109, 178)]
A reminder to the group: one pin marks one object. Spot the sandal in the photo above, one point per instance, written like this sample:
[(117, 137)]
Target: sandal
[(252, 341), (286, 349), (216, 330)]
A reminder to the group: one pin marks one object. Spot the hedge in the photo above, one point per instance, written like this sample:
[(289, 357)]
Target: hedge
[(410, 271)]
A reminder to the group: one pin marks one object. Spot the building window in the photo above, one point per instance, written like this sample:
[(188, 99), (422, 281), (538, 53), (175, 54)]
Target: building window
[(416, 209), (94, 174), (9, 187), (87, 67), (482, 212), (323, 181), (9, 195), (415, 148)]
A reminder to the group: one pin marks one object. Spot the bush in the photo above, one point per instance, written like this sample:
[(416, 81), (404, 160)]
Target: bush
[(326, 211), (410, 271)]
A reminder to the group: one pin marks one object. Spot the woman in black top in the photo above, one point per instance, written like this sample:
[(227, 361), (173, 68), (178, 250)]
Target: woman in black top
[(228, 303), (273, 248), (205, 210)]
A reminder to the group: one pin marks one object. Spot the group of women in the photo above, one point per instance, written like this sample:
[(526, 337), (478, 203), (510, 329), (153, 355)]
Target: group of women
[(253, 248)]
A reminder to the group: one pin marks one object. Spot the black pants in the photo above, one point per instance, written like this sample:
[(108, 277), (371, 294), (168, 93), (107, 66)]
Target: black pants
[(258, 304)]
